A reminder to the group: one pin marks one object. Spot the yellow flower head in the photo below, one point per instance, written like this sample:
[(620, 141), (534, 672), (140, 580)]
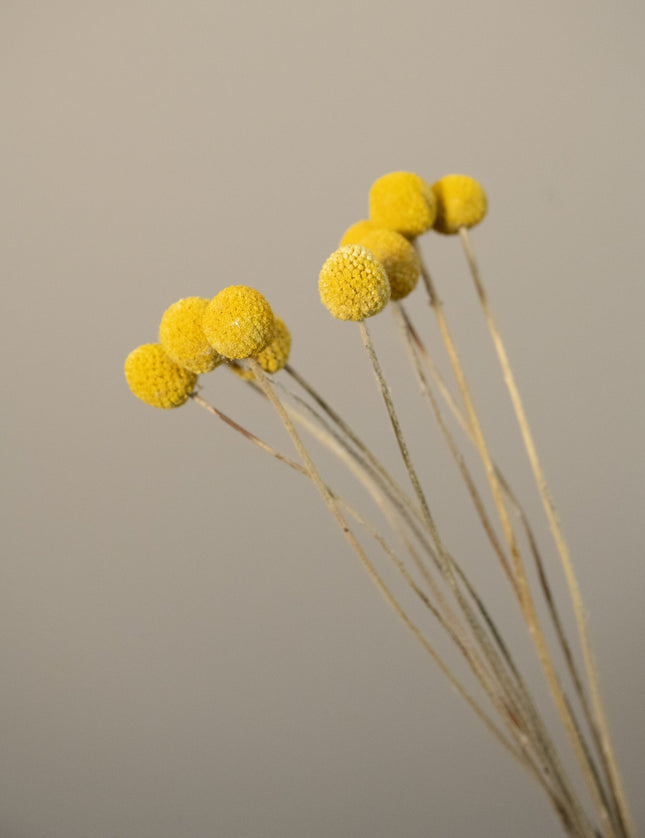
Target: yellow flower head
[(353, 234), (353, 284), (274, 356), (156, 379), (394, 252), (183, 338), (404, 202), (238, 322), (461, 202)]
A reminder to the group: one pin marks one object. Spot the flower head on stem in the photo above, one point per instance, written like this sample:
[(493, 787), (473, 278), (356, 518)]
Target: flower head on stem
[(156, 379), (182, 336), (238, 322)]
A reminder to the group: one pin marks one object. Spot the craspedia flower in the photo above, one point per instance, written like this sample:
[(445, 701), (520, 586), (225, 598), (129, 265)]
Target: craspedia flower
[(353, 284), (183, 338), (276, 354), (273, 358), (461, 202), (353, 234), (238, 322), (156, 379), (394, 252), (404, 202)]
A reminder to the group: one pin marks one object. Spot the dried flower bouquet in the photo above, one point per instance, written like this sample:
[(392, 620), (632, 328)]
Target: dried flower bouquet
[(377, 265)]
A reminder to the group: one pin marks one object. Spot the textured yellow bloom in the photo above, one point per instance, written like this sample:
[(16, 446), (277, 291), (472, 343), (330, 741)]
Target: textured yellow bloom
[(353, 284), (353, 234), (404, 202), (156, 379), (394, 252), (183, 338), (461, 202), (274, 356), (238, 322)]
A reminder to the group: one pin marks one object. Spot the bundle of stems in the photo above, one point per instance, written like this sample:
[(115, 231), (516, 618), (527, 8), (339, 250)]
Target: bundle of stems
[(440, 583), (379, 263)]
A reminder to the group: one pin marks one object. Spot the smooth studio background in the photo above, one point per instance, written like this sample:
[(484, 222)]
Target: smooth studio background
[(188, 645)]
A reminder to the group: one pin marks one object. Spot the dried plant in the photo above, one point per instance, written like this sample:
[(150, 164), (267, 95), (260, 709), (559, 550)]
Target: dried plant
[(378, 265)]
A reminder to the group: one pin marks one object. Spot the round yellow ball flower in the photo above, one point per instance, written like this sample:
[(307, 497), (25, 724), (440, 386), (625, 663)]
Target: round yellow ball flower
[(353, 284), (273, 358), (404, 202), (238, 322), (394, 252), (353, 234), (183, 338), (461, 202), (276, 354), (156, 379)]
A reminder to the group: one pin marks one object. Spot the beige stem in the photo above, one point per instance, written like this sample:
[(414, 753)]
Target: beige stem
[(450, 442), (526, 599), (333, 505), (364, 473), (443, 613), (558, 536), (416, 349), (524, 708), (524, 756), (396, 499), (517, 506)]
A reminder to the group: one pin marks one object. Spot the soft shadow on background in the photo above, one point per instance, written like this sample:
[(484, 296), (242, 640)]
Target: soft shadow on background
[(188, 646)]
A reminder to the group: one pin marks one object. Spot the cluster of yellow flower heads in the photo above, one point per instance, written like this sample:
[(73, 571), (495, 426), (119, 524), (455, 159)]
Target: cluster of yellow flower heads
[(196, 335), (402, 206), (375, 263)]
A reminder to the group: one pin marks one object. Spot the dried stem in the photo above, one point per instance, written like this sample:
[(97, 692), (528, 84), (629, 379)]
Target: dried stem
[(334, 507), (521, 702), (450, 442), (456, 634), (397, 499), (445, 614), (405, 505), (402, 510), (360, 468), (425, 357), (526, 599), (414, 345), (558, 536)]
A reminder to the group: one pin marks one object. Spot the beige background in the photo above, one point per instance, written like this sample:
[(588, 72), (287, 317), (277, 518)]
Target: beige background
[(188, 646)]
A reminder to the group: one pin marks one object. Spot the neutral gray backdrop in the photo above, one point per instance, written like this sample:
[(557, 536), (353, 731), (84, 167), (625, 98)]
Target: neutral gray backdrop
[(189, 648)]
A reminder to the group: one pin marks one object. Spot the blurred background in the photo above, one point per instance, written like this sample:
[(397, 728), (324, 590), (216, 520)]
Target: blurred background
[(189, 647)]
